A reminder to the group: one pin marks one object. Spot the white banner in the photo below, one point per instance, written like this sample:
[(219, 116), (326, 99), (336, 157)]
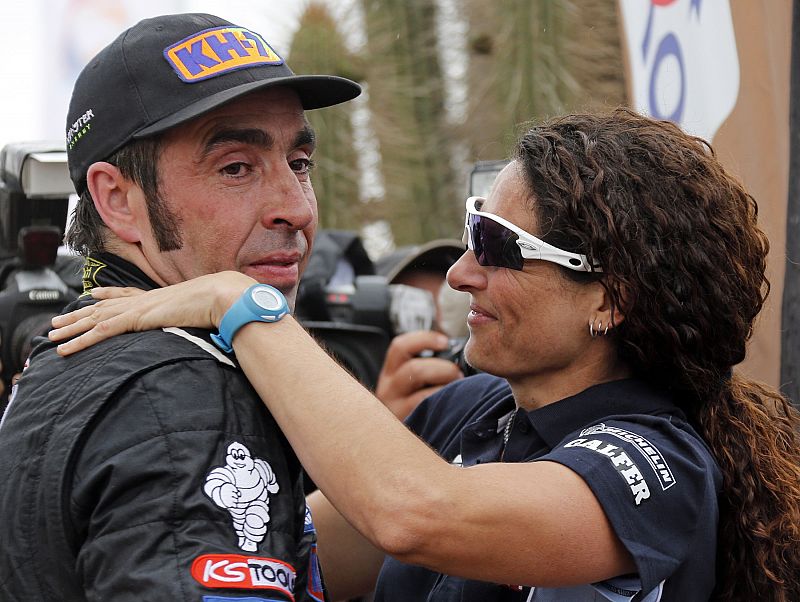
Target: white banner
[(683, 61)]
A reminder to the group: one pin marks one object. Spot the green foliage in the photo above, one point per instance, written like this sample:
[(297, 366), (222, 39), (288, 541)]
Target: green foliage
[(318, 47), (407, 103), (530, 60), (527, 59)]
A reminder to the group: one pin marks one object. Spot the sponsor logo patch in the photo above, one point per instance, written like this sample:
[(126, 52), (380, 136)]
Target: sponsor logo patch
[(237, 599), (80, 128), (314, 588), (91, 268), (648, 450), (242, 486), (219, 50), (621, 461), (308, 523), (244, 572)]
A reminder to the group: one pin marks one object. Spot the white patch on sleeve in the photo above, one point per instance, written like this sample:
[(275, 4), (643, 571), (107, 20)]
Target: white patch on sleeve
[(650, 452), (242, 486), (204, 345), (622, 462)]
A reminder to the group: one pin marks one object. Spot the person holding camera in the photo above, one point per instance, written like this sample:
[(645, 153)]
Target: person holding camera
[(419, 363), (610, 451), (147, 468)]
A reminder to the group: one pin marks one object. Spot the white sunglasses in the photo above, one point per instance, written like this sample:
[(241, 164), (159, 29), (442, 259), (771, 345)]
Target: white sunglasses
[(497, 242)]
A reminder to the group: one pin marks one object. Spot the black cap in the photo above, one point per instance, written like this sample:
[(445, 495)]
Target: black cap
[(167, 70), (433, 256)]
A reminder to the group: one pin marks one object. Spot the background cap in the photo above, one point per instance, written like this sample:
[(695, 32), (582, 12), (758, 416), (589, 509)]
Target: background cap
[(434, 256), (167, 70)]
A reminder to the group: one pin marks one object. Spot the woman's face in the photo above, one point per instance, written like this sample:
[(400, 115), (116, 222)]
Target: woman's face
[(529, 324)]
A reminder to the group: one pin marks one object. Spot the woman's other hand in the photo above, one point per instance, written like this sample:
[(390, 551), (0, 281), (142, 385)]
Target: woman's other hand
[(200, 302)]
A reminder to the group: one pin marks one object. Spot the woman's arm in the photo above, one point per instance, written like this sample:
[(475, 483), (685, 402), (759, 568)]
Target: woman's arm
[(350, 563), (516, 523), (529, 523)]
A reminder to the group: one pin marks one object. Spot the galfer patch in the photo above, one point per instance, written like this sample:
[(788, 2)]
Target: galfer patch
[(244, 572), (622, 462), (648, 450), (219, 50)]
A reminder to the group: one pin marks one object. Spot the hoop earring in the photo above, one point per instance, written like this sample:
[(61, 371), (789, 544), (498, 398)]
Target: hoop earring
[(600, 332)]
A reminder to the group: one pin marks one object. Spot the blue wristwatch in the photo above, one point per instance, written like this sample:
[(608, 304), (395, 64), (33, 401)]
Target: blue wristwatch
[(259, 303)]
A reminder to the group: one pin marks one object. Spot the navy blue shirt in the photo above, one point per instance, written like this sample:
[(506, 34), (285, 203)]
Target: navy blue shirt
[(651, 472)]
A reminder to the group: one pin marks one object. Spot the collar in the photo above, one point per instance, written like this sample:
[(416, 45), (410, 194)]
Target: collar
[(107, 269), (555, 421)]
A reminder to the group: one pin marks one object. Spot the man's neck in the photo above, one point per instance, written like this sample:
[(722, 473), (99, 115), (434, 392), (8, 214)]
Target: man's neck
[(133, 254)]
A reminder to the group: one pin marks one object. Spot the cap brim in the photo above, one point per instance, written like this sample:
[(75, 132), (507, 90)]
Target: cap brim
[(434, 254), (315, 92)]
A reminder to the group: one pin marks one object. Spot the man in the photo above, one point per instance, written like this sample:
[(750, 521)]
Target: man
[(408, 374), (425, 266), (147, 468)]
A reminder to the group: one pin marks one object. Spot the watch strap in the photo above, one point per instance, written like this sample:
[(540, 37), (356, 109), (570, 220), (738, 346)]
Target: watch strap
[(246, 310)]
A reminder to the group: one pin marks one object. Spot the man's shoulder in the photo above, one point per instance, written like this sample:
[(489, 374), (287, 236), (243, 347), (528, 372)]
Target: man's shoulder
[(134, 352), (169, 368)]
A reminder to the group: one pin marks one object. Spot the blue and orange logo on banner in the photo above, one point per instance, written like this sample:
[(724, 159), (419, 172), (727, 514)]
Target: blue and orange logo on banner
[(219, 50)]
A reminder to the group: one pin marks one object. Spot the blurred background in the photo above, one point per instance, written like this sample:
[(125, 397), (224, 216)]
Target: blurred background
[(449, 83)]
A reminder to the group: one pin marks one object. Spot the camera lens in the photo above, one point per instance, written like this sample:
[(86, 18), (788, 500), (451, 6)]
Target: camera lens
[(21, 341)]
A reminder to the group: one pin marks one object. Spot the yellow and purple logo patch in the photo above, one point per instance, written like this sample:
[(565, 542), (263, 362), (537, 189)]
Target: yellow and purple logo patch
[(219, 50)]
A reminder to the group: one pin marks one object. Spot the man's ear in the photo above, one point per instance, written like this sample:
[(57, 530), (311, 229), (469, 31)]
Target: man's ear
[(116, 199)]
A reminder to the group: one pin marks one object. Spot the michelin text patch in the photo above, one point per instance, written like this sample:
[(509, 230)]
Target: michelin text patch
[(217, 51), (650, 452)]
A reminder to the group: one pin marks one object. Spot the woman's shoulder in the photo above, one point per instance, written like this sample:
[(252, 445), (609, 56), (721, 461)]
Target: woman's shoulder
[(655, 478)]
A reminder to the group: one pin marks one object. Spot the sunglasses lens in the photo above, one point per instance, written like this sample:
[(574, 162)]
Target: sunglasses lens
[(494, 244)]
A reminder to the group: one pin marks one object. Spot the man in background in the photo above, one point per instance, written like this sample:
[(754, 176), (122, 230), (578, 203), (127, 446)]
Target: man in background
[(411, 370)]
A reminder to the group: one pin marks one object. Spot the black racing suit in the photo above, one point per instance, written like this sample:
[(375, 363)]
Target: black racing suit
[(147, 468)]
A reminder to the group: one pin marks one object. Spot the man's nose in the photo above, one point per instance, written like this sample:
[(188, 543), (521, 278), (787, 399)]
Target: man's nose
[(288, 203)]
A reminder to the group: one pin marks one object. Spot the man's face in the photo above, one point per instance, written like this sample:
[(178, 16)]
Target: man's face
[(237, 184)]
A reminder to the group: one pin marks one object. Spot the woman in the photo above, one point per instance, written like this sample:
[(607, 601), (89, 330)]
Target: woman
[(615, 274)]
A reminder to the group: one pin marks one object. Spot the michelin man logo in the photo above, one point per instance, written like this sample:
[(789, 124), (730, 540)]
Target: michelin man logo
[(242, 487)]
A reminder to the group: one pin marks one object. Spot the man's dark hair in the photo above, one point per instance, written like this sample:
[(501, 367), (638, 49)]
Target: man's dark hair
[(136, 161)]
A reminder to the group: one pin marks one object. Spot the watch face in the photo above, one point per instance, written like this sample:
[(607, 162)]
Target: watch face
[(266, 298)]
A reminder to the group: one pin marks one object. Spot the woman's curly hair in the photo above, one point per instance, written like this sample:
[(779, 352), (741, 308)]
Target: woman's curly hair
[(684, 259)]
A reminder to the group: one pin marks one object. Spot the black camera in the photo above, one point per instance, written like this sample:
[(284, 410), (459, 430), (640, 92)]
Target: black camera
[(454, 353), (35, 281), (352, 312)]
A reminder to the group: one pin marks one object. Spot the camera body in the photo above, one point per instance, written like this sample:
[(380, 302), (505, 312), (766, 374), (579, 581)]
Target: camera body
[(35, 282), (352, 323), (352, 312)]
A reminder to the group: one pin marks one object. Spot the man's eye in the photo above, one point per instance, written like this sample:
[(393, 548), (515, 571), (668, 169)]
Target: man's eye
[(235, 169), (301, 166)]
